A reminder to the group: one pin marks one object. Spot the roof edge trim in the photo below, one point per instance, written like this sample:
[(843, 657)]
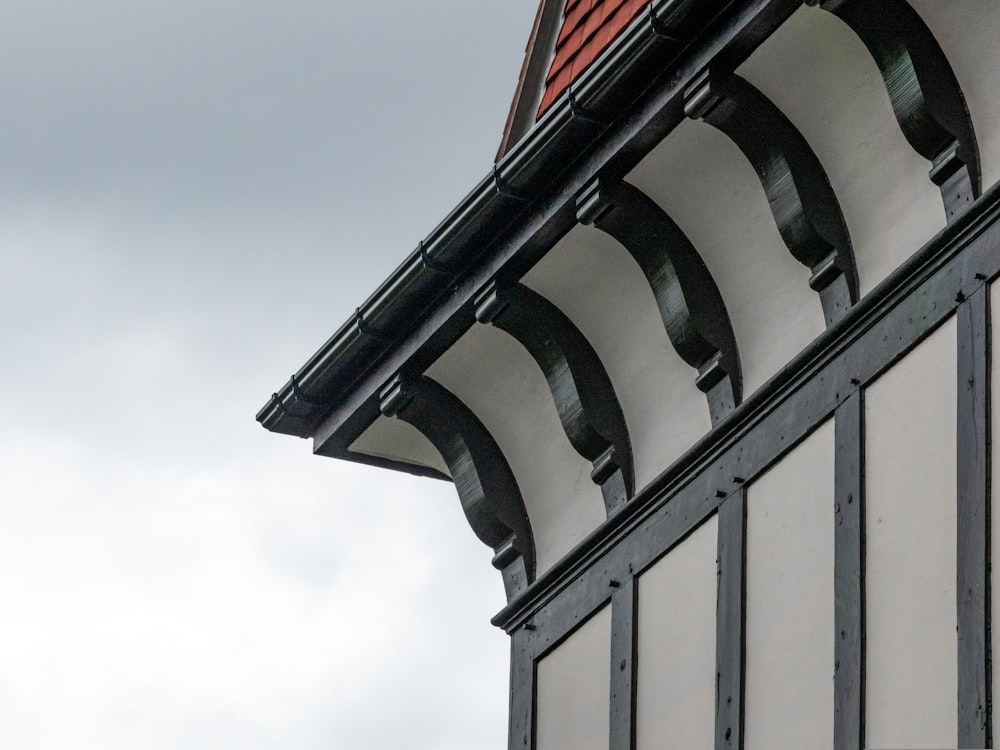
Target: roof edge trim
[(531, 83)]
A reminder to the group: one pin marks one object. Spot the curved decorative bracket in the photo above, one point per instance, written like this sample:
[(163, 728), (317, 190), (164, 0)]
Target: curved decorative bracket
[(802, 201), (584, 397), (925, 94), (690, 303), (485, 483)]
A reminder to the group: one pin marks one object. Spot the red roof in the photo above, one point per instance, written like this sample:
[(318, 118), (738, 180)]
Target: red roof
[(589, 26)]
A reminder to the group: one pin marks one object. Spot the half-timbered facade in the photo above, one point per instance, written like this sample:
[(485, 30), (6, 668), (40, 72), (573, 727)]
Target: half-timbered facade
[(707, 356)]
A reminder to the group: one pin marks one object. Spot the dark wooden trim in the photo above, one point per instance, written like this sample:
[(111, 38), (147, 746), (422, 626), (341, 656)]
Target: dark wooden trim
[(848, 576), (891, 320), (485, 484), (523, 691), (624, 664), (581, 389), (689, 300), (925, 94), (803, 203), (974, 718), (730, 627)]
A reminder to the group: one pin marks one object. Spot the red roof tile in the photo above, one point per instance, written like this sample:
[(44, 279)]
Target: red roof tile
[(589, 27)]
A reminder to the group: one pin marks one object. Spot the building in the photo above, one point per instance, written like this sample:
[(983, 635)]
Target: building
[(707, 357)]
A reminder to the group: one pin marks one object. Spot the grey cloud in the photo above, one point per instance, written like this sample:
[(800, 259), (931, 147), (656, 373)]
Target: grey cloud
[(193, 196)]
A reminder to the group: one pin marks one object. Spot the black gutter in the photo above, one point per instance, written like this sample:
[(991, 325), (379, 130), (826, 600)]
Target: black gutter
[(636, 84)]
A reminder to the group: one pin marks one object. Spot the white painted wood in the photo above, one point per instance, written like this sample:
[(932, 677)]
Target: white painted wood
[(503, 386), (790, 600), (400, 441), (598, 285), (706, 185), (969, 33), (574, 689), (676, 685), (838, 101), (911, 672)]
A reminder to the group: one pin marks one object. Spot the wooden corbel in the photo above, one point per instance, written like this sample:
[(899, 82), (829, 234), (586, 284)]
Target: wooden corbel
[(798, 190), (581, 389), (485, 483), (926, 97), (690, 303)]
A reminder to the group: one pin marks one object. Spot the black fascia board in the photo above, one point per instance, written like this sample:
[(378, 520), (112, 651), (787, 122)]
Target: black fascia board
[(611, 117)]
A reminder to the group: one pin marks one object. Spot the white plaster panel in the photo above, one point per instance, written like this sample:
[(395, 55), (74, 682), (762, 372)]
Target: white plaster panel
[(910, 549), (995, 500), (601, 288), (969, 34), (706, 185), (676, 686), (817, 71), (400, 441), (574, 689), (790, 600), (503, 386)]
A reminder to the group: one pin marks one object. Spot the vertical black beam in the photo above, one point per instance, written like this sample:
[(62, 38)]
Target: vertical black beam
[(848, 576), (973, 520), (523, 682), (730, 623), (624, 636)]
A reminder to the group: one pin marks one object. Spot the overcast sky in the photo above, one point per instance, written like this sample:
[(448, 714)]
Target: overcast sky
[(194, 194)]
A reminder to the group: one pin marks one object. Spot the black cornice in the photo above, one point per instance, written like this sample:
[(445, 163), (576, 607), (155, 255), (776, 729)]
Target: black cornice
[(519, 210)]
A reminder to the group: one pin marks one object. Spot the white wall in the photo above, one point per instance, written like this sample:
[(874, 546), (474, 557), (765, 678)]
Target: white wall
[(838, 101), (574, 689), (912, 682), (790, 601), (594, 280), (676, 685)]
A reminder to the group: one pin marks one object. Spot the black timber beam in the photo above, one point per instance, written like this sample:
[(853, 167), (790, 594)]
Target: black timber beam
[(973, 532), (849, 574), (730, 623)]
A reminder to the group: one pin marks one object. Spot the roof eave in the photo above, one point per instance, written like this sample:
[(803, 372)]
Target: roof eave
[(486, 216)]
